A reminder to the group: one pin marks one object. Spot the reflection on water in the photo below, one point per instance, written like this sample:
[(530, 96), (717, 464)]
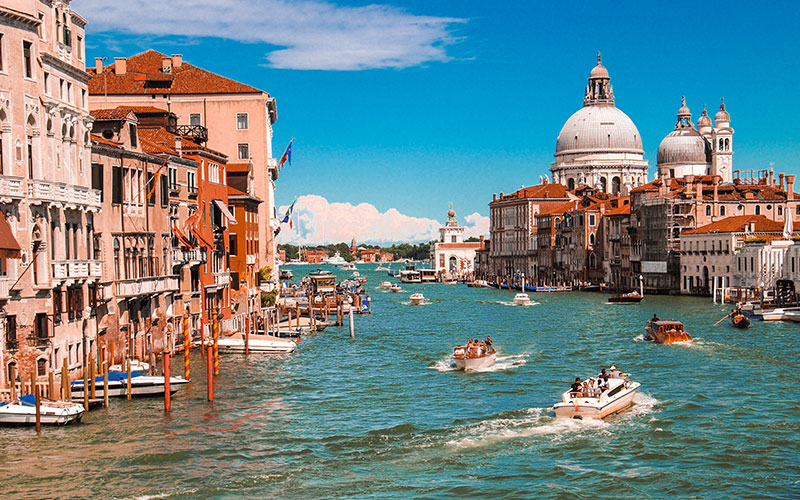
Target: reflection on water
[(385, 416)]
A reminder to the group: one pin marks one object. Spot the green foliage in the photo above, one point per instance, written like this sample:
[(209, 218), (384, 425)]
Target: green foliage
[(268, 298), (755, 240), (408, 251), (472, 239), (265, 273), (292, 251), (400, 251)]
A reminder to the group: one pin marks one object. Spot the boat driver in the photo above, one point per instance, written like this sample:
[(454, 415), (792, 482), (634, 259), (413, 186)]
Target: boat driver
[(655, 318), (614, 372), (576, 387), (603, 379)]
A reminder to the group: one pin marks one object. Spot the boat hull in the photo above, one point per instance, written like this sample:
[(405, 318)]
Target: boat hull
[(140, 386), (416, 301), (624, 300), (740, 321), (24, 415), (475, 363), (256, 345), (594, 408)]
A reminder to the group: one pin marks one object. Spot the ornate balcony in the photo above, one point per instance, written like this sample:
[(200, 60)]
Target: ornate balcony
[(222, 279), (57, 192), (181, 256), (146, 286), (251, 260), (11, 188), (77, 269), (4, 294), (197, 133)]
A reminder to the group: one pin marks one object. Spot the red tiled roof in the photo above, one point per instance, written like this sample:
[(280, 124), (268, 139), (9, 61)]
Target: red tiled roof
[(566, 207), (157, 140), (146, 67), (549, 190), (623, 210), (110, 114), (470, 244), (99, 139), (144, 109), (238, 167), (738, 224), (235, 192)]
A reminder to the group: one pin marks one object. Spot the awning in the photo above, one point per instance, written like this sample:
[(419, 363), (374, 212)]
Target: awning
[(224, 209), (9, 248)]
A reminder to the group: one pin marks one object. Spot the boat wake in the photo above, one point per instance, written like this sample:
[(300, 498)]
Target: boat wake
[(446, 364)]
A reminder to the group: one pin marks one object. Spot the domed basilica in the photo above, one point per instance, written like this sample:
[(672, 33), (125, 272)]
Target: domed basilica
[(599, 145)]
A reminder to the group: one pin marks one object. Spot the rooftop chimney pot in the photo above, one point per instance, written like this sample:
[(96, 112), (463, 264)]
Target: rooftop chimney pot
[(790, 187), (98, 65), (166, 64), (120, 65), (177, 60)]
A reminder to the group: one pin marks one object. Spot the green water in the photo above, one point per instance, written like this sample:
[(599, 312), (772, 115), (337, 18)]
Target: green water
[(383, 415)]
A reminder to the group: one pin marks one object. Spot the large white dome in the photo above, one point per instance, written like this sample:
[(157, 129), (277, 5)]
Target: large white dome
[(601, 128)]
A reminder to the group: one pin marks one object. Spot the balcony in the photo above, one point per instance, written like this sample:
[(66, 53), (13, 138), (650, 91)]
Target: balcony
[(4, 295), (222, 279), (10, 188), (192, 191), (77, 269), (197, 133), (181, 256), (58, 192), (146, 286), (251, 260)]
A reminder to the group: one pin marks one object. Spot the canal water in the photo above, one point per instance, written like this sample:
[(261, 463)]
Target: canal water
[(384, 416)]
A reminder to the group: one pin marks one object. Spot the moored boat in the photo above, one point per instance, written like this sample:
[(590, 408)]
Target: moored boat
[(626, 298), (136, 366), (265, 344), (666, 331), (596, 403), (141, 385), (22, 411), (416, 299)]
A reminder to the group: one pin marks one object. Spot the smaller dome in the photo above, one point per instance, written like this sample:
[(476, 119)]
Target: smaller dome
[(684, 146), (599, 71), (722, 115), (704, 120), (684, 110)]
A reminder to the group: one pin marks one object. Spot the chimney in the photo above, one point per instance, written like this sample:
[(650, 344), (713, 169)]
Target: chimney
[(781, 178), (177, 60), (98, 65), (494, 196), (716, 194), (501, 195), (689, 182), (699, 188), (771, 177), (178, 146), (482, 247), (789, 187), (166, 64), (120, 65)]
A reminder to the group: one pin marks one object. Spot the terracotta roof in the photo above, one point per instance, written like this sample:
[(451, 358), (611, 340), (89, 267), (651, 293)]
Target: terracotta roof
[(566, 207), (471, 244), (737, 224), (144, 109), (157, 140), (110, 114), (549, 190), (99, 139), (144, 76), (238, 167), (623, 210)]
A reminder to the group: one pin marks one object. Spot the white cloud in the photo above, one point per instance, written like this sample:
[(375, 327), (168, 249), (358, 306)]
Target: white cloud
[(307, 34), (317, 221)]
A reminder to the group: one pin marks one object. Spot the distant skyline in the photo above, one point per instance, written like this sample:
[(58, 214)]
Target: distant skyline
[(412, 105)]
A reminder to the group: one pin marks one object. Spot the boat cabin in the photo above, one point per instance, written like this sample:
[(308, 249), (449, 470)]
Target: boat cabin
[(322, 283), (664, 325), (427, 275)]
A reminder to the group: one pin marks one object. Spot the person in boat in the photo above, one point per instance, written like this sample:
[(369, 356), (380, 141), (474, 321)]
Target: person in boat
[(576, 387), (655, 318), (615, 373), (602, 379), (489, 341)]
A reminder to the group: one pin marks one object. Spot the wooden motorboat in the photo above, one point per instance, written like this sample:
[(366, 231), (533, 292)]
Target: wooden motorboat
[(598, 404), (740, 321), (417, 299), (141, 385), (522, 299), (395, 288), (22, 411), (626, 298), (666, 332), (474, 358), (257, 343)]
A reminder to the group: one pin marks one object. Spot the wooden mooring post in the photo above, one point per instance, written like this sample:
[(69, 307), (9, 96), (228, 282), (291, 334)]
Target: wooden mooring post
[(166, 382), (210, 371), (12, 375)]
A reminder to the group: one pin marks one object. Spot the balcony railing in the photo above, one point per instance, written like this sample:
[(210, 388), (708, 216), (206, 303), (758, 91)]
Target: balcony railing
[(4, 288), (146, 286), (63, 193), (222, 279), (198, 133), (251, 260), (77, 269), (181, 256), (11, 187)]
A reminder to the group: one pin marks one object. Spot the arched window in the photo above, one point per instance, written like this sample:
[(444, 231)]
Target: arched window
[(780, 210), (722, 211), (571, 184), (41, 366), (758, 209), (591, 241), (603, 184), (727, 144), (115, 245), (720, 145), (708, 210), (615, 185), (592, 260)]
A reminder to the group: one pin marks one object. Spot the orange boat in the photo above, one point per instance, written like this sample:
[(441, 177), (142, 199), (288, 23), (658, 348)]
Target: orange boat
[(666, 332)]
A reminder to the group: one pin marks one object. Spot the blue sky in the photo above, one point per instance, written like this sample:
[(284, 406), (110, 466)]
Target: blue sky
[(452, 101)]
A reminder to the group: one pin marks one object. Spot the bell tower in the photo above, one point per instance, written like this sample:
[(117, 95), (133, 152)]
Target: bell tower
[(722, 145)]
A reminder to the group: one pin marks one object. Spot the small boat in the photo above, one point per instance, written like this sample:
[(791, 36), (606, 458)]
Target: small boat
[(740, 321), (777, 313), (666, 332), (265, 344), (626, 298), (136, 366), (286, 274), (141, 385), (361, 279), (596, 404), (792, 316), (381, 267), (417, 299), (385, 284), (22, 411), (395, 288), (522, 299), (356, 274), (469, 359)]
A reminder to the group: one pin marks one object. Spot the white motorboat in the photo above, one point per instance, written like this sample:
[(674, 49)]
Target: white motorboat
[(476, 358), (22, 411), (356, 274), (522, 299), (778, 313), (385, 284), (596, 404), (417, 299), (336, 260), (395, 288), (136, 366), (265, 344), (349, 266), (381, 267), (792, 316), (141, 385)]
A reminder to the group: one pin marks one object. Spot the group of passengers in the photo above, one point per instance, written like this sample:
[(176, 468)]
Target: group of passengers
[(475, 349), (593, 387)]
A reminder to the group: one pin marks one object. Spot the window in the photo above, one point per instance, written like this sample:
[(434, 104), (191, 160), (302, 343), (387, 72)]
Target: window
[(97, 178), (241, 121), (67, 33), (30, 157), (75, 303), (722, 211), (591, 220), (132, 131), (708, 210), (1, 154), (232, 240), (758, 209), (27, 61), (79, 47), (452, 239), (116, 185), (151, 189), (244, 151), (47, 83), (164, 191), (58, 305), (780, 210), (194, 119), (1, 52)]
